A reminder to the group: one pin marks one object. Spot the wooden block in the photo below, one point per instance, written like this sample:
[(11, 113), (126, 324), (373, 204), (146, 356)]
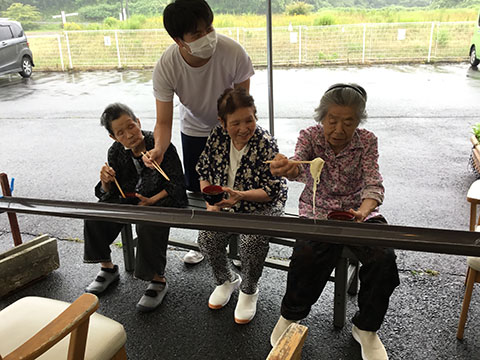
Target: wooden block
[(289, 346), (27, 262)]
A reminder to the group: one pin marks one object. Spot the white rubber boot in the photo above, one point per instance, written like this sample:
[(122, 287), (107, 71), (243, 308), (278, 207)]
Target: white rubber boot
[(279, 329), (372, 347), (246, 307), (222, 293)]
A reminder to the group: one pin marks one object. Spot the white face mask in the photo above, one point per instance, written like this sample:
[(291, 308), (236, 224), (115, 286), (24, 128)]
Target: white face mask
[(205, 46)]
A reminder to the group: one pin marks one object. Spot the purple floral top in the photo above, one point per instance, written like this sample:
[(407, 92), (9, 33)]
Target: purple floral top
[(346, 179)]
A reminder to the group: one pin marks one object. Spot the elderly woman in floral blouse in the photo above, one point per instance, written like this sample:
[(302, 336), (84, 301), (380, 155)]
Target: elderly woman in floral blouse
[(350, 181), (234, 158)]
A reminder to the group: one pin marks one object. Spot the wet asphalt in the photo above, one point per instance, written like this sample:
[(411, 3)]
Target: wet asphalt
[(51, 142)]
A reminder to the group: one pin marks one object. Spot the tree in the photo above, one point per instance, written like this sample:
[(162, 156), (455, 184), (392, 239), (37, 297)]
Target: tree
[(4, 4), (98, 12), (26, 14), (246, 6), (147, 7), (298, 8)]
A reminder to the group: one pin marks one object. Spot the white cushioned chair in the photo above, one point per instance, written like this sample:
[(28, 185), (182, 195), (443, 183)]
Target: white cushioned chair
[(36, 327), (473, 276), (473, 263)]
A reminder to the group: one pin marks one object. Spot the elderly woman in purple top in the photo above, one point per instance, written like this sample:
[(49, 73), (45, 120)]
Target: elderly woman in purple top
[(350, 181)]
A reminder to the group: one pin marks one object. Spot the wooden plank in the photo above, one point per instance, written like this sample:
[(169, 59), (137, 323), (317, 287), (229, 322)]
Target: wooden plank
[(27, 262), (289, 346)]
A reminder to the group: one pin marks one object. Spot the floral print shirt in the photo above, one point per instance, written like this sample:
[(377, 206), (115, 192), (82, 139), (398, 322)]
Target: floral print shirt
[(346, 179), (253, 172), (133, 176)]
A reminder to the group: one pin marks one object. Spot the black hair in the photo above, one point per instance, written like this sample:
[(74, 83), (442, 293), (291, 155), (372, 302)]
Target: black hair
[(112, 112), (184, 16), (233, 99)]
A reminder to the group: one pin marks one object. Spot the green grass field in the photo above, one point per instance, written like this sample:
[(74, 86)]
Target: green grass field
[(325, 17), (331, 36)]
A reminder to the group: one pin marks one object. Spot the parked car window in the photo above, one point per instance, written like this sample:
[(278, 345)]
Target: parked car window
[(16, 30), (5, 33)]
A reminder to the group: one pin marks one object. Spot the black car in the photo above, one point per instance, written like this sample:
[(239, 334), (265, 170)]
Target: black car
[(15, 54)]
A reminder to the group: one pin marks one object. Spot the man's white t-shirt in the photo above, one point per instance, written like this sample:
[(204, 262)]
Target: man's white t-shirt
[(199, 88)]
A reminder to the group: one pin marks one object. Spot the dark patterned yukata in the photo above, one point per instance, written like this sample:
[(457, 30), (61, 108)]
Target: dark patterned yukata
[(134, 177)]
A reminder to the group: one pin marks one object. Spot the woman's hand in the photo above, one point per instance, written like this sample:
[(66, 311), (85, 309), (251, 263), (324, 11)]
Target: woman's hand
[(367, 206), (145, 201), (280, 166), (359, 215), (107, 176), (234, 197), (212, 207), (155, 154)]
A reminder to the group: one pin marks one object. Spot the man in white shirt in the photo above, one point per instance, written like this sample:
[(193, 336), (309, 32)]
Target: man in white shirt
[(198, 68)]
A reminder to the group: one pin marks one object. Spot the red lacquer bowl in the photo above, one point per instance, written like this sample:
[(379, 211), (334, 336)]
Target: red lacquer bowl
[(340, 215)]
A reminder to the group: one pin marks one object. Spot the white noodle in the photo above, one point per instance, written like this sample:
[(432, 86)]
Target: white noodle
[(316, 166)]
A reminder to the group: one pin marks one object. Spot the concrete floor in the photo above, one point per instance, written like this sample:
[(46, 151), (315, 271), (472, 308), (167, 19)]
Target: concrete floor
[(422, 117)]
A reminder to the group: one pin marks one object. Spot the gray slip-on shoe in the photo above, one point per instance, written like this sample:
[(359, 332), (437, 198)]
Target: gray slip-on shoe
[(103, 280), (153, 296)]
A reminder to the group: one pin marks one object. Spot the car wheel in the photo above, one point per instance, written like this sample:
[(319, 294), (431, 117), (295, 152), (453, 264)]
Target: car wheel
[(473, 57), (26, 67)]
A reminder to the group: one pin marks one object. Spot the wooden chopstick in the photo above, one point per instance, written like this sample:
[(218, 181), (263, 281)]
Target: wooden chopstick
[(118, 185), (292, 161), (156, 166)]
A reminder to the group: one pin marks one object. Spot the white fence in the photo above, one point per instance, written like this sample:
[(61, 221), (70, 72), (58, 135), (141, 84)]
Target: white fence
[(292, 46)]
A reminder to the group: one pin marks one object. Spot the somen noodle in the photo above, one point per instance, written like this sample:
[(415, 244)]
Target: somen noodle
[(316, 166)]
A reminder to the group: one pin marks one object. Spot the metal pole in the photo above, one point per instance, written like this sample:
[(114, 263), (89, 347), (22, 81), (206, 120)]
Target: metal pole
[(299, 44), (68, 50), (364, 36), (61, 53), (118, 50), (431, 41), (269, 66)]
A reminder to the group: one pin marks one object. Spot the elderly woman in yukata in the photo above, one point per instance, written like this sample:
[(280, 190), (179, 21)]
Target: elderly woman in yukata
[(350, 181), (234, 158)]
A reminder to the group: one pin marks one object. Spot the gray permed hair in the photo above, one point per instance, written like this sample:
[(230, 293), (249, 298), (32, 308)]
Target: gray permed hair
[(352, 95), (113, 112)]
